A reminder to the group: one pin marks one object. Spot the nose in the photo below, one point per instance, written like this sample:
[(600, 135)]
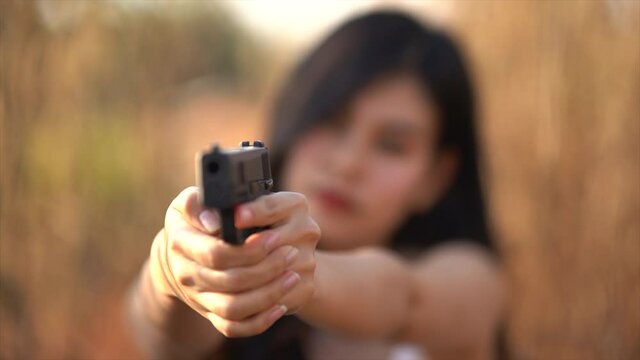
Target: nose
[(348, 158)]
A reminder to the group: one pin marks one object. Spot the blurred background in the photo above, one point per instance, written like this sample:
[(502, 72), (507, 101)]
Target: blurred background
[(104, 103)]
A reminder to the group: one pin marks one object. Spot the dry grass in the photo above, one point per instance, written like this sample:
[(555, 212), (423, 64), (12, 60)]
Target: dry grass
[(99, 127), (560, 88)]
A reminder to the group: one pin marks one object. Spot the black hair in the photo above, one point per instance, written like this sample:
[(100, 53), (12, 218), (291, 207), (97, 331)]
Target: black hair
[(352, 57), (328, 78)]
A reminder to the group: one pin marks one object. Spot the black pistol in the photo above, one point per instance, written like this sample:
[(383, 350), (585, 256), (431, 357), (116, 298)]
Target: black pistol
[(229, 177)]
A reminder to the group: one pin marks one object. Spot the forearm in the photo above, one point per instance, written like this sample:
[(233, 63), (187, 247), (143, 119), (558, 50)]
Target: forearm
[(163, 326), (458, 302), (361, 293), (448, 300)]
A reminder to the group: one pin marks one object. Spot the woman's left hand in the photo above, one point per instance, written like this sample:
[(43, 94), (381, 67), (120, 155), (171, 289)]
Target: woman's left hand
[(287, 215)]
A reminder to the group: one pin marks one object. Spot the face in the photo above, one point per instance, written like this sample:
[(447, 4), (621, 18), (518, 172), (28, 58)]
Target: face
[(365, 171)]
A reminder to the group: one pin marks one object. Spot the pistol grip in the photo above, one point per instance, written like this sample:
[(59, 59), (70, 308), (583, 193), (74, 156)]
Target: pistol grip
[(230, 233)]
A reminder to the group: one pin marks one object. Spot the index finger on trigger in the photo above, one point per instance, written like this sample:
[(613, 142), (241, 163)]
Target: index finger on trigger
[(187, 206), (269, 209)]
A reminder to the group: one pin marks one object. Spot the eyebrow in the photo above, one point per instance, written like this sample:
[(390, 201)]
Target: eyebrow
[(401, 127)]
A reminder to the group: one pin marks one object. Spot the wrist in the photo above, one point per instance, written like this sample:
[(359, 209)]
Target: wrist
[(158, 294), (309, 310), (164, 326), (157, 273)]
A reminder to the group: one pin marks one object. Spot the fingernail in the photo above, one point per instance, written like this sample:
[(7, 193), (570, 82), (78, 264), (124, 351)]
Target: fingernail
[(270, 242), (290, 281), (245, 214), (209, 220), (277, 313), (291, 256)]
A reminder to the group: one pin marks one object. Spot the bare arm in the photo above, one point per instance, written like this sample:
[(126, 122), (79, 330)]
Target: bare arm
[(458, 302), (449, 300), (363, 293), (196, 289), (163, 326)]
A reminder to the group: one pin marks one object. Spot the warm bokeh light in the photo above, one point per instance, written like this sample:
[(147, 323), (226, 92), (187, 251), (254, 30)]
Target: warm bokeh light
[(104, 103)]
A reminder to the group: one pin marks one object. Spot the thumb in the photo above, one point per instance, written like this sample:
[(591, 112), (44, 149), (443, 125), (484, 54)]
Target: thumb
[(187, 206)]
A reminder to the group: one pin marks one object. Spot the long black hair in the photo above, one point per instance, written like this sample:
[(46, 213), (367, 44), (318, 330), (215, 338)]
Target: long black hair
[(352, 57), (328, 78)]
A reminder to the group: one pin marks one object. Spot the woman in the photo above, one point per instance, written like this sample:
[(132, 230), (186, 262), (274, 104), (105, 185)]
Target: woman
[(380, 238)]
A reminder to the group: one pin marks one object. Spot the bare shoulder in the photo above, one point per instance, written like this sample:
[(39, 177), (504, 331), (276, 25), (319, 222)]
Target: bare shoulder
[(454, 284), (456, 271), (460, 254)]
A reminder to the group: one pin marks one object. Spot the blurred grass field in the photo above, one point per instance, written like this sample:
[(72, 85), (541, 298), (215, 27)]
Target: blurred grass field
[(103, 105)]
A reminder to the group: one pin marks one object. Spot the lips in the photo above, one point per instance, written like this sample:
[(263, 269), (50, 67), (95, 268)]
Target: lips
[(335, 201)]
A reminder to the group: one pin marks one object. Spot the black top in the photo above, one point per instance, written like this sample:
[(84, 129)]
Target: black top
[(285, 340)]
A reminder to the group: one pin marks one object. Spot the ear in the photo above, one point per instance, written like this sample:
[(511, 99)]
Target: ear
[(440, 176)]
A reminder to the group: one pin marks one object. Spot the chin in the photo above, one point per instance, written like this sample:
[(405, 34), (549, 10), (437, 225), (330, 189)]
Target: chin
[(332, 241), (335, 245), (337, 232)]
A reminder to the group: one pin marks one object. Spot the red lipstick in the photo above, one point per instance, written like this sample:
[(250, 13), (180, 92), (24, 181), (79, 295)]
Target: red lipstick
[(335, 201)]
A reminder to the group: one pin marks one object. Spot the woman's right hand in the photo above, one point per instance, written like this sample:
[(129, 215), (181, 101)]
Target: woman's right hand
[(240, 289)]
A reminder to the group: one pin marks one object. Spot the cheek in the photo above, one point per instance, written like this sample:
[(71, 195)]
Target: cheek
[(305, 158), (392, 190)]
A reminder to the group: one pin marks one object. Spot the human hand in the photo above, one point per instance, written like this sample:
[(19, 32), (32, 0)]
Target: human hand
[(291, 225), (243, 289)]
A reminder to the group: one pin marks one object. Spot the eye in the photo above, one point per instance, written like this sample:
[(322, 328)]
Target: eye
[(391, 146), (337, 124)]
